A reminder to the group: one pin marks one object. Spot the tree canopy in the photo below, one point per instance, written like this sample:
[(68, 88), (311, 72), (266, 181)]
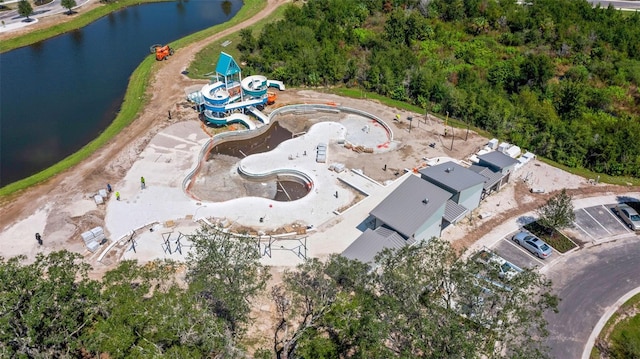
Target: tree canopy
[(50, 308), (68, 4), (422, 301), (558, 212), (556, 77), (25, 9)]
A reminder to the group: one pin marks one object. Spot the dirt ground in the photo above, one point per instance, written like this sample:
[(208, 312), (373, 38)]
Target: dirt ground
[(110, 163), (64, 223), (166, 92)]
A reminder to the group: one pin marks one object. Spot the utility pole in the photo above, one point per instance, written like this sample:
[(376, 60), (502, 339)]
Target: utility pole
[(453, 135)]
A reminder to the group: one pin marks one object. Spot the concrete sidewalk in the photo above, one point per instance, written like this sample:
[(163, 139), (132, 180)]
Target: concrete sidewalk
[(12, 20)]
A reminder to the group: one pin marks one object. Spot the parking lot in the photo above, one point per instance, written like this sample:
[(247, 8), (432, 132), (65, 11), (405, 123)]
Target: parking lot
[(511, 251), (592, 224), (598, 222)]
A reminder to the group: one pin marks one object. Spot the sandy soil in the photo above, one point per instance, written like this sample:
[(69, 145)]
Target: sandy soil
[(62, 208), (47, 208), (109, 164)]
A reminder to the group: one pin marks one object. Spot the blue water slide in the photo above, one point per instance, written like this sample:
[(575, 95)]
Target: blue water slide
[(232, 118), (254, 86), (215, 96)]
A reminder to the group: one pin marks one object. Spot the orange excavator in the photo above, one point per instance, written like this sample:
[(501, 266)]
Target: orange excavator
[(271, 98), (162, 52)]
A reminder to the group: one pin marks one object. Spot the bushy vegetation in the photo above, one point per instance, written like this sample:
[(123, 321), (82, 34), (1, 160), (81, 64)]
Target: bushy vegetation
[(422, 301), (556, 214), (51, 308), (556, 77)]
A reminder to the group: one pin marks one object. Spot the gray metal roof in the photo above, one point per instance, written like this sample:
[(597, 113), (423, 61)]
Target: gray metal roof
[(371, 242), (453, 212), (452, 175), (410, 205), (491, 176), (498, 159)]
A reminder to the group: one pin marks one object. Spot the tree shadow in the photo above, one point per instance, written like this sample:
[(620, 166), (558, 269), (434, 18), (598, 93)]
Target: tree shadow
[(524, 220), (70, 12), (626, 199), (630, 201)]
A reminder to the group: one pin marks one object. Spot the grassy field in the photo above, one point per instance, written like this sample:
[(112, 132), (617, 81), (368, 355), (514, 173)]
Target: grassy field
[(134, 102), (204, 63), (630, 325), (205, 60)]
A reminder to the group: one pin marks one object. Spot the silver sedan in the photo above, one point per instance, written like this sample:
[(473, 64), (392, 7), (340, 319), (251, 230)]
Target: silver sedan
[(533, 244)]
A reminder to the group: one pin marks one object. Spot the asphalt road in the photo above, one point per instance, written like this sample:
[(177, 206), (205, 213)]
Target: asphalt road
[(589, 281), (617, 4)]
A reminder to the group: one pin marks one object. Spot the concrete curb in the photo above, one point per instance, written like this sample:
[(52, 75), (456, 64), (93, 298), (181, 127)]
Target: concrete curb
[(603, 320)]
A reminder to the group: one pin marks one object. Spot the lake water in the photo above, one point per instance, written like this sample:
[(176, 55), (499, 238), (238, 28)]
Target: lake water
[(58, 95)]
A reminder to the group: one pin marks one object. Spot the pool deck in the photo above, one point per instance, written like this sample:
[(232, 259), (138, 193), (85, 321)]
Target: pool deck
[(334, 222)]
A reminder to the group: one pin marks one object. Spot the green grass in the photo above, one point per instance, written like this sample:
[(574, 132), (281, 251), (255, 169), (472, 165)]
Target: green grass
[(557, 240), (205, 60), (630, 304), (625, 338), (134, 101)]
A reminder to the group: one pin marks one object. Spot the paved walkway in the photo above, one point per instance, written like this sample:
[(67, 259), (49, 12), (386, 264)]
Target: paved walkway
[(11, 20)]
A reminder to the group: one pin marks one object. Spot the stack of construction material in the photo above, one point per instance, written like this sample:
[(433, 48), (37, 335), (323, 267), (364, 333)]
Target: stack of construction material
[(93, 238), (321, 155)]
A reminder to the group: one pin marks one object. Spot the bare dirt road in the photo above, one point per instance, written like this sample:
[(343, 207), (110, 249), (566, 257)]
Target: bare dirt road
[(111, 163)]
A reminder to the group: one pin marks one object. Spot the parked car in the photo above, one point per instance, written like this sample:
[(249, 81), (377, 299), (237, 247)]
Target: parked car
[(533, 244), (629, 216), (506, 270)]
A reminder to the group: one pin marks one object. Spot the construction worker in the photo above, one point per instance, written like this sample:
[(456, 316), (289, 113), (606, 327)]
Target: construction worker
[(117, 195), (142, 184)]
